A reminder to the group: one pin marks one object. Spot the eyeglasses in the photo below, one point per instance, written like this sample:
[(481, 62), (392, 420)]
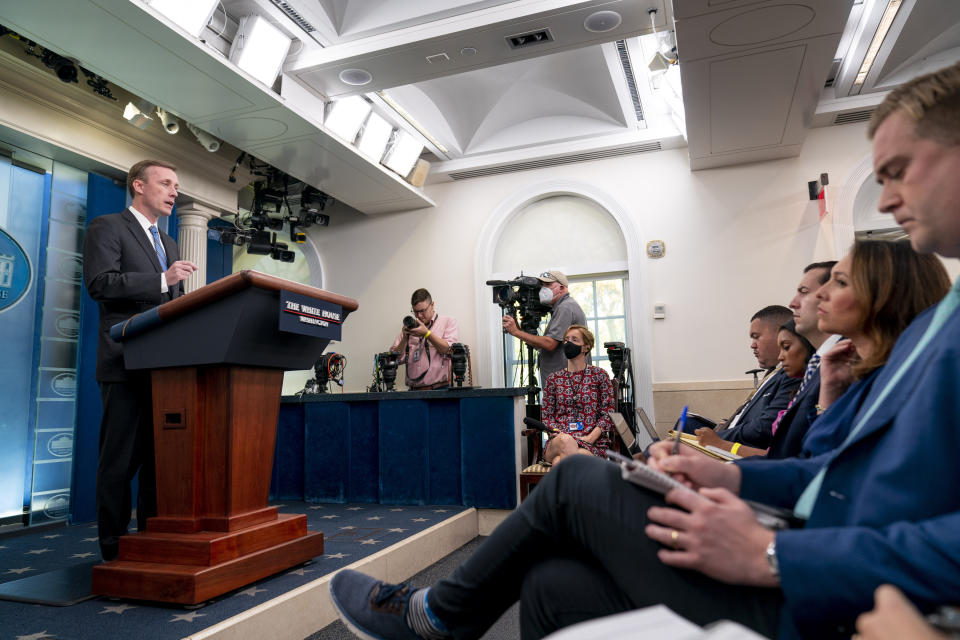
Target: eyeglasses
[(424, 310), (546, 274)]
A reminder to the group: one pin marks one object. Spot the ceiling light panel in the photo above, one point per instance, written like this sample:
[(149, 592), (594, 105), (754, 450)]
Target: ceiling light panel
[(403, 153), (374, 137), (190, 15), (259, 48), (345, 116)]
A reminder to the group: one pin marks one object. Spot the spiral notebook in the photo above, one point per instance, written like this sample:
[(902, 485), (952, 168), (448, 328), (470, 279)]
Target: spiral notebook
[(649, 478)]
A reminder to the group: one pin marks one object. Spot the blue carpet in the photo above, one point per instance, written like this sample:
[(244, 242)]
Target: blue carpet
[(351, 532)]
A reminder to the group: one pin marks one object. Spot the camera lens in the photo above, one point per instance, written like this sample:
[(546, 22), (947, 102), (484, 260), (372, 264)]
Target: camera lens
[(409, 322)]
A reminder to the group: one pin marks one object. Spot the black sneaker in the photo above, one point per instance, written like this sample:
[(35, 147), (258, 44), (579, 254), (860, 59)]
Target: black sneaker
[(370, 608)]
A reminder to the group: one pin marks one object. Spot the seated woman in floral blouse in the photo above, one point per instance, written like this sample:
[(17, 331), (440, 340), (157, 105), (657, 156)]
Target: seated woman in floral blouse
[(577, 402)]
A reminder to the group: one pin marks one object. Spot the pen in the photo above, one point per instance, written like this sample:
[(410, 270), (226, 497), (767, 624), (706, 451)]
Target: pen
[(680, 430)]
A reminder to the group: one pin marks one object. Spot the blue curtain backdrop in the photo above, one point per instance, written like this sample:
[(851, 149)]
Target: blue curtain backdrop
[(103, 196)]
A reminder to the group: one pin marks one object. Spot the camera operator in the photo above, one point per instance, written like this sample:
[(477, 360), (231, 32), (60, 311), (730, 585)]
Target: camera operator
[(424, 344), (564, 311)]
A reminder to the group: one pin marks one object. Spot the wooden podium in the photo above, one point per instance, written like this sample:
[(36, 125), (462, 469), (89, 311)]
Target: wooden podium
[(217, 357)]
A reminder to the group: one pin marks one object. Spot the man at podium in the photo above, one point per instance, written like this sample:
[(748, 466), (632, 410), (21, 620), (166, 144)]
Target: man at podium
[(129, 266)]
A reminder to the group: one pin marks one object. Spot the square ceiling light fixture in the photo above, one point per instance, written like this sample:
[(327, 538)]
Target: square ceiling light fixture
[(190, 15), (403, 153), (345, 116), (259, 48), (374, 137)]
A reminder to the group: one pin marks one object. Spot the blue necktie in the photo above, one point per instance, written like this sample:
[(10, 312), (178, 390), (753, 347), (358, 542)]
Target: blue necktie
[(946, 306), (812, 367), (161, 255)]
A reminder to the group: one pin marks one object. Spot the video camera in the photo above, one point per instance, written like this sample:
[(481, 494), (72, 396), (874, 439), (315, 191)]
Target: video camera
[(520, 296), (329, 368), (459, 357), (385, 371)]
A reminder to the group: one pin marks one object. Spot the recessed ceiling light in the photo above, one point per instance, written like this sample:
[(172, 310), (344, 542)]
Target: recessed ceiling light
[(600, 21), (356, 77)]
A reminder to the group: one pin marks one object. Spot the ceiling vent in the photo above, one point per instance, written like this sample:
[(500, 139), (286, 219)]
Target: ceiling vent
[(524, 40), (627, 66), (854, 116), (553, 162), (294, 15)]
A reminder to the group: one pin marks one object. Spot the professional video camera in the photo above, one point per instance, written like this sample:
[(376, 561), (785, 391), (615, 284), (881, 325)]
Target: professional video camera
[(520, 295), (459, 362), (384, 371), (328, 368)]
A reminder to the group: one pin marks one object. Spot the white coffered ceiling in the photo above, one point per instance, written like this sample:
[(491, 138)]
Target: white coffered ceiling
[(754, 76)]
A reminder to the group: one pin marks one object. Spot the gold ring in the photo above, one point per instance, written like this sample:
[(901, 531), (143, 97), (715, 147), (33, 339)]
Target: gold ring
[(675, 539)]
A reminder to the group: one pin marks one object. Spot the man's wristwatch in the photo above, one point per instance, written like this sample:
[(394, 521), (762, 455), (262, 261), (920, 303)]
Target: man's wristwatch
[(772, 559)]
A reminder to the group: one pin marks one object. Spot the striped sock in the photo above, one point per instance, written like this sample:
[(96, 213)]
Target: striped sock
[(423, 622)]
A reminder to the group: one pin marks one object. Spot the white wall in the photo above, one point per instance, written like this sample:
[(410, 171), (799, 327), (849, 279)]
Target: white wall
[(737, 239)]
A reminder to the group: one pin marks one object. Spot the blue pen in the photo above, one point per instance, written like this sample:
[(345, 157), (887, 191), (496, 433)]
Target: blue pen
[(683, 426)]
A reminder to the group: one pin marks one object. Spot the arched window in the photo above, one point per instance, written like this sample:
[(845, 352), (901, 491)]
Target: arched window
[(580, 238)]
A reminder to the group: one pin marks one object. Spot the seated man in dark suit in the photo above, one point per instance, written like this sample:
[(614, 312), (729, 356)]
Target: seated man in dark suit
[(802, 409), (751, 424), (587, 544)]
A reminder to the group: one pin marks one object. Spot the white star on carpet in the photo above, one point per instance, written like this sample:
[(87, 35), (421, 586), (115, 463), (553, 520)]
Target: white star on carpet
[(82, 555), (118, 609), (252, 592), (51, 537), (299, 572), (316, 507), (89, 539), (375, 518), (336, 555), (37, 552), (354, 508), (439, 510), (369, 541), (328, 517), (35, 636), (420, 519), (396, 509), (349, 526), (20, 571), (396, 530), (186, 617), (3, 546)]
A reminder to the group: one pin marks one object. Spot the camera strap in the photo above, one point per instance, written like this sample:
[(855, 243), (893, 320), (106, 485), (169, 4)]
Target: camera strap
[(425, 345)]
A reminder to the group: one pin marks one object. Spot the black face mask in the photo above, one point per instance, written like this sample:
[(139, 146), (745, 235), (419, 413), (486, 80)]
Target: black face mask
[(571, 350)]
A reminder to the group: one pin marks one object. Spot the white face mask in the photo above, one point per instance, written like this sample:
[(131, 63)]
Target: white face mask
[(546, 296)]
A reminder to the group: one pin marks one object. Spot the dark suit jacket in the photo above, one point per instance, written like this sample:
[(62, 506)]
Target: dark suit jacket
[(888, 510), (122, 273), (787, 442), (754, 427)]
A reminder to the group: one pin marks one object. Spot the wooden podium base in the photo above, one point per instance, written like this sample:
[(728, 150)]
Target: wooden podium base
[(190, 568)]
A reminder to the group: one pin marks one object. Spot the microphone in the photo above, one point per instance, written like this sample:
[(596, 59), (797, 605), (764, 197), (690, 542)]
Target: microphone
[(535, 424)]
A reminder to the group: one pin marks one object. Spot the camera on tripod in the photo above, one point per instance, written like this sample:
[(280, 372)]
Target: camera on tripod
[(520, 296), (385, 371), (459, 357)]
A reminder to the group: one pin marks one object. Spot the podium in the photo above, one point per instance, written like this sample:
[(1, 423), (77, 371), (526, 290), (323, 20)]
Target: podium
[(217, 357)]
